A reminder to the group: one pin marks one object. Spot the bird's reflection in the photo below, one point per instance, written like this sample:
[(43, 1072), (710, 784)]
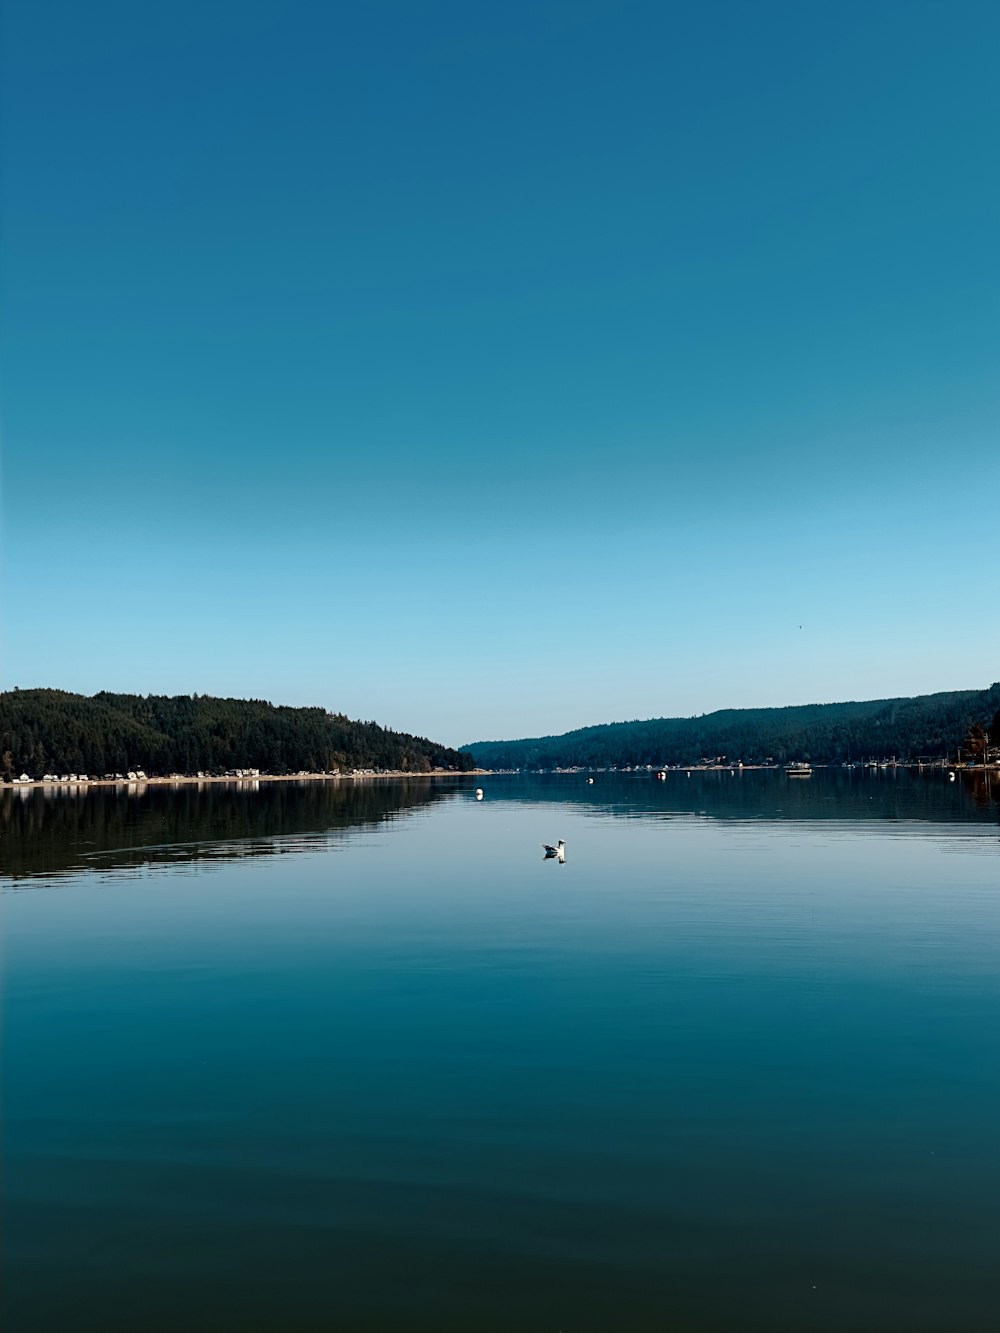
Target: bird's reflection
[(557, 853)]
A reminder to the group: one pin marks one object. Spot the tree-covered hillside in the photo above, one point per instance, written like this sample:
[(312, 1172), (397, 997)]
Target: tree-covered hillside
[(930, 724), (51, 731)]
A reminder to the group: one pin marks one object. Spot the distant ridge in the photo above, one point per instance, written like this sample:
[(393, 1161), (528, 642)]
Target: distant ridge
[(51, 731), (927, 725)]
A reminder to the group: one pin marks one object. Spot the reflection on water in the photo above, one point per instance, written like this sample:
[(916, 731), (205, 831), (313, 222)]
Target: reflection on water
[(766, 794), (731, 1068), (48, 832)]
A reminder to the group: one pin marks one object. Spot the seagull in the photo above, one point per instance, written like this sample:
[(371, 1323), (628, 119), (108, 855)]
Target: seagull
[(479, 793), (559, 852)]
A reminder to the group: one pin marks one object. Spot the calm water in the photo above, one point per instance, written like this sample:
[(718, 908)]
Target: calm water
[(311, 1058)]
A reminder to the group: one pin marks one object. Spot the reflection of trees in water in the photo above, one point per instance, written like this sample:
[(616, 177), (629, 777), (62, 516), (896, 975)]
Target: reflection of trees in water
[(830, 794), (104, 828), (43, 833), (984, 788)]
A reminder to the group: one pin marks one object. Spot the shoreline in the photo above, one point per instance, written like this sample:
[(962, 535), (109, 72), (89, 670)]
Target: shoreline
[(363, 775), (188, 780)]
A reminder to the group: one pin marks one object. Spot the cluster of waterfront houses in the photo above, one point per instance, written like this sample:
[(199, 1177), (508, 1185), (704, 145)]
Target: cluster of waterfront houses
[(133, 775), (71, 779)]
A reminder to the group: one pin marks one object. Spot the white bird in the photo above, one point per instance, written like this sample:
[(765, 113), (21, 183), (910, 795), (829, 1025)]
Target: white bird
[(559, 852), (479, 793)]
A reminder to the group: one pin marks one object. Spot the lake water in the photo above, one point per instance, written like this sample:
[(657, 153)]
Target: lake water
[(358, 1058)]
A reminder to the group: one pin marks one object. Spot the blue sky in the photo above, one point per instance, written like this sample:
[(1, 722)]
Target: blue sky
[(494, 370)]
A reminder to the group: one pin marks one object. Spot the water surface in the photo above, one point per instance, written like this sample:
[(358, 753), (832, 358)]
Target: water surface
[(356, 1057)]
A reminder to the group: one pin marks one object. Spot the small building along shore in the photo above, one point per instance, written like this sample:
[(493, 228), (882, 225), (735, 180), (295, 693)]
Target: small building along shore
[(137, 777)]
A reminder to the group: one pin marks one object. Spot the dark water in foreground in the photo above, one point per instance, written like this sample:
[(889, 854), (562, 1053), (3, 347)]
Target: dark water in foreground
[(356, 1058)]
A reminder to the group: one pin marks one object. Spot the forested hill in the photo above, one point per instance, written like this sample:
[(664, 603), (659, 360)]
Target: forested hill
[(50, 731), (930, 724)]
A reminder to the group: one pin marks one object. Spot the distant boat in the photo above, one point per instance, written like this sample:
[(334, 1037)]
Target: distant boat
[(798, 770)]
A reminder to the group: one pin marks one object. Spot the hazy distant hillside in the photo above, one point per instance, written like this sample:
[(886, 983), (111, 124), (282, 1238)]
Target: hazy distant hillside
[(930, 724), (50, 731)]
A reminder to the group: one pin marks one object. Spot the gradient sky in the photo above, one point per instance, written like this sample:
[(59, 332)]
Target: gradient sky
[(492, 370)]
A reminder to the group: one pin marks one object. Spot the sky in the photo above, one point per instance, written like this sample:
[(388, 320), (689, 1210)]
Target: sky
[(493, 370)]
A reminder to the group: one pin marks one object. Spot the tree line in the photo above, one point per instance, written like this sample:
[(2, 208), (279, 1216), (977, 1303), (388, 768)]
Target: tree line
[(929, 725), (52, 731)]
